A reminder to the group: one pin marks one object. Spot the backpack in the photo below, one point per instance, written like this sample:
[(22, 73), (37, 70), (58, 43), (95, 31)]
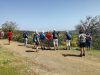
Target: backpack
[(82, 39), (42, 36), (35, 38), (55, 35), (88, 38), (68, 36), (25, 35)]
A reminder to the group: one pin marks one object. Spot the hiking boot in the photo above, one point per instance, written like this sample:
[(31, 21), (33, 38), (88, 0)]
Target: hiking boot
[(83, 54), (57, 49), (80, 55)]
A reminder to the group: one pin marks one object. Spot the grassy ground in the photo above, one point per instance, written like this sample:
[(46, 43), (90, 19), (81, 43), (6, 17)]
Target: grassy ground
[(94, 52), (14, 60), (10, 64)]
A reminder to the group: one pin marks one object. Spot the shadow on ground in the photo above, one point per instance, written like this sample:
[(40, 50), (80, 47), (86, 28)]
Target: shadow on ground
[(30, 51), (20, 45), (6, 44), (73, 55)]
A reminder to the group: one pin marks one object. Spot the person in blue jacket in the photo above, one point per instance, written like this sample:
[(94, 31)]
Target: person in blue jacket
[(42, 40)]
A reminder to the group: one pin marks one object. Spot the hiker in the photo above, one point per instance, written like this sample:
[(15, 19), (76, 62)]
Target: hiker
[(42, 40), (1, 35), (82, 43), (55, 39), (9, 36), (88, 41), (25, 36), (68, 38), (48, 38), (36, 40)]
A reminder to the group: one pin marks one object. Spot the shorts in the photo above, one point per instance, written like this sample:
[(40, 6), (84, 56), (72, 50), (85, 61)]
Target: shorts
[(25, 40), (42, 41), (68, 42), (82, 44), (88, 44), (9, 38), (55, 42), (36, 43)]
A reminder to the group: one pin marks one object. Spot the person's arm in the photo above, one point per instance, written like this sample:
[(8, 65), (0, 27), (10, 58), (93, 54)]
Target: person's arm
[(51, 36), (58, 34), (46, 37), (8, 34), (38, 40), (11, 34), (91, 38), (77, 41), (79, 36)]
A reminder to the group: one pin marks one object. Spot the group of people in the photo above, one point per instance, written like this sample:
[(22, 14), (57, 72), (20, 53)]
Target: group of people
[(40, 38), (84, 40), (9, 35)]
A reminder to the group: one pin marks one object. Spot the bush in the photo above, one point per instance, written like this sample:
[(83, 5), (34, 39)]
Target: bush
[(96, 42), (73, 44)]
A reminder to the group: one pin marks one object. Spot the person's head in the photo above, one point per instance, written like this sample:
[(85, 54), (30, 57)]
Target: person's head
[(67, 32), (36, 33), (9, 30), (81, 31), (42, 31), (88, 34), (48, 31), (54, 30), (25, 31)]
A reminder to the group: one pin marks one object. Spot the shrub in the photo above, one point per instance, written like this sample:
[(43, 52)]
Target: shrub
[(96, 42), (73, 44)]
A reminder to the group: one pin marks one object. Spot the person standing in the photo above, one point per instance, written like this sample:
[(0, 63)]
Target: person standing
[(48, 38), (68, 38), (36, 40), (9, 36), (82, 43), (88, 41), (1, 35), (55, 39), (42, 39), (25, 36)]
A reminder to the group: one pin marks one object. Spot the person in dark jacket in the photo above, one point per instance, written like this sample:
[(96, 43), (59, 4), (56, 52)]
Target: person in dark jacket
[(25, 36), (88, 41), (68, 38)]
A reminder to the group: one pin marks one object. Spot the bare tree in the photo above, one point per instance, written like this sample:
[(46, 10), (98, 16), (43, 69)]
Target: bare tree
[(90, 25), (9, 25)]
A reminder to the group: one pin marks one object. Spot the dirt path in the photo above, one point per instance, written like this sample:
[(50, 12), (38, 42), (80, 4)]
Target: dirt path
[(59, 62)]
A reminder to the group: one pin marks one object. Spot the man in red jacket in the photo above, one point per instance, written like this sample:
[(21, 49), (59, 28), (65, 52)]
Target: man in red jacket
[(9, 36), (48, 38)]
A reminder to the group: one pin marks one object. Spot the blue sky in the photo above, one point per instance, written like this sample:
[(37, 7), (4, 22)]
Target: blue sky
[(47, 14)]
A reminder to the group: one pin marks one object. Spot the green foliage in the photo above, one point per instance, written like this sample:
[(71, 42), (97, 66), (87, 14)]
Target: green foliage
[(74, 40), (73, 44), (96, 42), (62, 38), (94, 52), (9, 25), (30, 40), (18, 36), (91, 25), (10, 64), (8, 70)]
